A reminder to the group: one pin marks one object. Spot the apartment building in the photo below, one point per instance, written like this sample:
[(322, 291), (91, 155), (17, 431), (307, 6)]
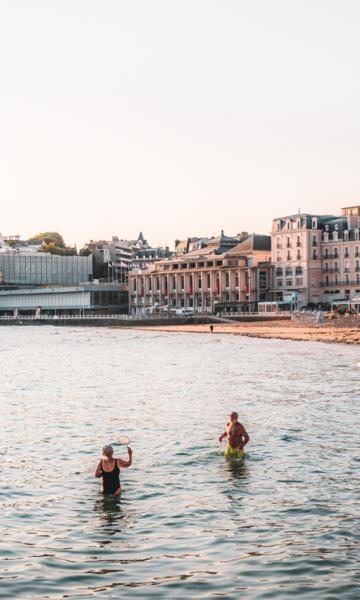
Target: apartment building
[(316, 259), (341, 257), (213, 278)]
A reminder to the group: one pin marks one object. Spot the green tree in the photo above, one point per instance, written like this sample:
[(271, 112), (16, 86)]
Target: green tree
[(49, 237)]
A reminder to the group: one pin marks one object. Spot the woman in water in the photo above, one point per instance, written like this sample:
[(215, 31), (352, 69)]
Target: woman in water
[(109, 469)]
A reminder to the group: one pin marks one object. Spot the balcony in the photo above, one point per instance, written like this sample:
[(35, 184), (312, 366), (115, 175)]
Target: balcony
[(339, 283), (332, 270), (330, 256)]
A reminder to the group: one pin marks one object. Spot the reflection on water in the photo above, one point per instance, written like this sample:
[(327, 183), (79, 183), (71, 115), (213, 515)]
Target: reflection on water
[(282, 522), (238, 469), (109, 513)]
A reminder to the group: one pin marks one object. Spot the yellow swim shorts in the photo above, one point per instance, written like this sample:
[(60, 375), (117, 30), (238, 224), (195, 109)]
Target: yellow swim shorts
[(233, 452)]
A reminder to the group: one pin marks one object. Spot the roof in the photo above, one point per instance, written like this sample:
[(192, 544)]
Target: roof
[(253, 243)]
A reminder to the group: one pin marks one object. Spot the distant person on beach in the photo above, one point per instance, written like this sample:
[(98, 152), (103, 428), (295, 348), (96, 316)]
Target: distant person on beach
[(211, 328), (237, 437), (109, 469)]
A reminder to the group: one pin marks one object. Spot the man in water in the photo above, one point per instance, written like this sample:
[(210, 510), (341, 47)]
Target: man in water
[(109, 469), (237, 437)]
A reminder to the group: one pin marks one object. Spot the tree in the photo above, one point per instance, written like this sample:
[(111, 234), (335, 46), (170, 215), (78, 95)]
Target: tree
[(85, 251), (49, 237)]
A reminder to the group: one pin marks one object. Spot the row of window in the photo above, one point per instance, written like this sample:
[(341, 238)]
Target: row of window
[(299, 282), (335, 253), (296, 224), (334, 236), (195, 279)]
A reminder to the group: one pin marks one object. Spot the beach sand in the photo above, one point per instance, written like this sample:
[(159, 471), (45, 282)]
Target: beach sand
[(283, 330)]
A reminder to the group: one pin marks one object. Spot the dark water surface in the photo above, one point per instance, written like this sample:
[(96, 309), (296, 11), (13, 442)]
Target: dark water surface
[(283, 523)]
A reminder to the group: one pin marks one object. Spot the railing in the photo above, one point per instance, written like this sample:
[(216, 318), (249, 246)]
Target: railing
[(318, 319), (339, 283), (166, 314)]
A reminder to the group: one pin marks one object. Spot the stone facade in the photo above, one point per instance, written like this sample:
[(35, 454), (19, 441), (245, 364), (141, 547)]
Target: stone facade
[(316, 259), (208, 279)]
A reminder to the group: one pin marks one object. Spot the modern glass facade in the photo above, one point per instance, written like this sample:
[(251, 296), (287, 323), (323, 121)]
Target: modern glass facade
[(46, 269)]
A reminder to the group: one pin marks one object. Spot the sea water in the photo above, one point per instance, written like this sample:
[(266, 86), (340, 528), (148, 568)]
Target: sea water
[(282, 523)]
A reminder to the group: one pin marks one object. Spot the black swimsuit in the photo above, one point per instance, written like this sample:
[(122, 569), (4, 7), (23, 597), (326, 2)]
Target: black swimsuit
[(111, 479)]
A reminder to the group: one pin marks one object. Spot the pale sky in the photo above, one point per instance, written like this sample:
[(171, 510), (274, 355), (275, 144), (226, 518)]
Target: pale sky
[(176, 117)]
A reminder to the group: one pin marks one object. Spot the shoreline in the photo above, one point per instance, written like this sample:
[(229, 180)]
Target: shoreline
[(277, 330)]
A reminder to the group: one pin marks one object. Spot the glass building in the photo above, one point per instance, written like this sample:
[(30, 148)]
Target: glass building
[(44, 269)]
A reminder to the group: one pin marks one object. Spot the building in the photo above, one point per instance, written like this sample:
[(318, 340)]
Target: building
[(315, 258), (38, 268), (81, 300), (114, 259), (223, 275), (341, 257)]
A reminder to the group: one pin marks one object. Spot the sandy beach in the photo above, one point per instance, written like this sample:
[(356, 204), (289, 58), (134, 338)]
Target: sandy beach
[(284, 330)]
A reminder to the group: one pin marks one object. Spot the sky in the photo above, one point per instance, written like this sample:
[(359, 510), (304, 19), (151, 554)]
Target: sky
[(176, 117)]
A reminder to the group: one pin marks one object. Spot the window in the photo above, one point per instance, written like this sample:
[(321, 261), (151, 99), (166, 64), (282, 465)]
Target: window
[(288, 256), (288, 242), (346, 236), (356, 234), (326, 267), (287, 224), (326, 253), (346, 255), (279, 272), (262, 280), (237, 280), (335, 236), (279, 283), (298, 271), (314, 240), (298, 255), (326, 237), (289, 283), (227, 279), (315, 255), (298, 241), (182, 281), (278, 226), (336, 253), (314, 223), (336, 266), (199, 282), (208, 281)]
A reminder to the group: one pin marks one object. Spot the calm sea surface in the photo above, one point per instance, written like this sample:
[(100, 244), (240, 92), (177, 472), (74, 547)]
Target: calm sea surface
[(283, 523)]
